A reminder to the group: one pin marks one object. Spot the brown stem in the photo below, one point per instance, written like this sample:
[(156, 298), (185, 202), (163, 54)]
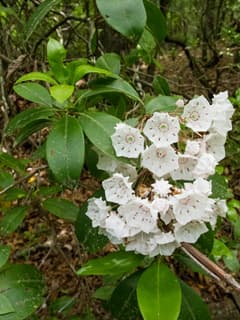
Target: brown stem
[(212, 268)]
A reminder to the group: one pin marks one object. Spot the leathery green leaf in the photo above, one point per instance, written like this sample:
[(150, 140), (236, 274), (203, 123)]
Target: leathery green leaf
[(159, 293)]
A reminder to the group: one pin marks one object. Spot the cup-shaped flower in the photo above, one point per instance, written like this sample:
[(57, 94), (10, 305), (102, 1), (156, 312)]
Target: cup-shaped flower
[(118, 189), (98, 211), (140, 243), (214, 144), (160, 161), (198, 114), (162, 129), (187, 164), (189, 232), (116, 226), (139, 214), (166, 244), (205, 166), (127, 141)]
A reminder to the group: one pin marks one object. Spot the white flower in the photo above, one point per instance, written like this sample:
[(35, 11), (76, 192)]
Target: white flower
[(105, 163), (160, 161), (198, 114), (220, 207), (223, 111), (161, 188), (189, 232), (193, 147), (162, 206), (140, 215), (166, 244), (98, 211), (186, 164), (201, 186), (162, 129), (127, 141), (140, 243), (189, 206), (118, 189), (116, 226), (127, 170), (205, 166), (214, 144)]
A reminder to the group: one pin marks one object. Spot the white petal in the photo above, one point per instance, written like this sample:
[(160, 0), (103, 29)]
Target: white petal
[(118, 189), (205, 166), (127, 141), (186, 164), (162, 129), (160, 161), (189, 232), (97, 211)]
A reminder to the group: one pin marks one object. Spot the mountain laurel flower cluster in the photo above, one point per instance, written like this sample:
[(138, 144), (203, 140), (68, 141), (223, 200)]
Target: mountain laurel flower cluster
[(161, 197)]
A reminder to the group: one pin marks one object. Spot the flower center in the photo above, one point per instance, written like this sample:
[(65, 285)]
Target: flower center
[(163, 126), (130, 138), (161, 154), (194, 116)]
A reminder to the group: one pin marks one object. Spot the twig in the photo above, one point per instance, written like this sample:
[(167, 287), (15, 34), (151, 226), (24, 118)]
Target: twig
[(4, 107), (29, 175), (209, 266)]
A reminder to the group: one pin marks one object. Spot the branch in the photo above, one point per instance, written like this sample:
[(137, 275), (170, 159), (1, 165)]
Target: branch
[(209, 266)]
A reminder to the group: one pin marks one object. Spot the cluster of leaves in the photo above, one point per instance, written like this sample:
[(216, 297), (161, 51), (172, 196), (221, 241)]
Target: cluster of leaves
[(80, 103)]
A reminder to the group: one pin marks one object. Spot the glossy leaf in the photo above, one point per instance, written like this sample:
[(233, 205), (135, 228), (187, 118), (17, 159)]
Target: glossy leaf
[(193, 307), (29, 129), (110, 62), (4, 255), (65, 149), (6, 160), (123, 303), (25, 117), (83, 70), (14, 194), (114, 263), (6, 179), (22, 285), (61, 92), (161, 86), (88, 236), (98, 127), (37, 17), (56, 54), (34, 76), (156, 23), (126, 16), (161, 104), (12, 219), (33, 92), (159, 293), (5, 305), (62, 208)]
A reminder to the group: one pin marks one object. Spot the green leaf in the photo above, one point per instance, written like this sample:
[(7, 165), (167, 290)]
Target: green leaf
[(85, 69), (114, 263), (159, 293), (61, 92), (33, 92), (14, 194), (29, 129), (9, 161), (12, 219), (232, 261), (160, 86), (25, 117), (156, 22), (22, 285), (193, 307), (119, 85), (161, 104), (110, 62), (220, 188), (5, 305), (56, 54), (98, 127), (4, 255), (37, 16), (123, 303), (36, 76), (88, 236), (126, 16), (65, 149), (220, 250), (6, 179), (62, 208)]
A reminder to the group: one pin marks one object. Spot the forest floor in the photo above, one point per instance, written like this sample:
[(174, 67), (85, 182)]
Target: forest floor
[(51, 245)]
